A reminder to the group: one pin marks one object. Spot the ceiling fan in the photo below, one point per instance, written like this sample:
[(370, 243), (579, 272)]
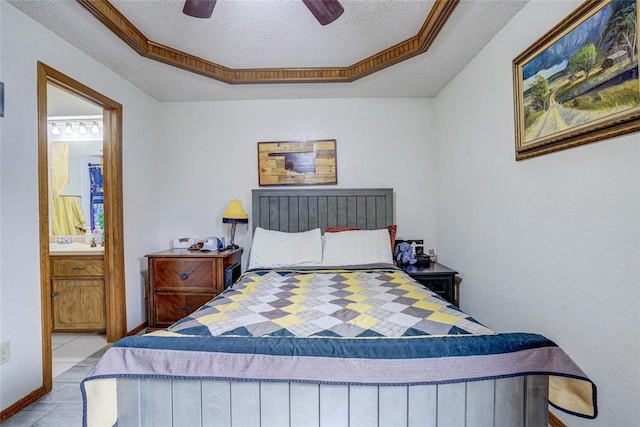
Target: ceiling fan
[(325, 11)]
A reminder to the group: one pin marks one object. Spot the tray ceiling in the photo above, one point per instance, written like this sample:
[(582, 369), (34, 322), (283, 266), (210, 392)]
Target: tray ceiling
[(377, 48)]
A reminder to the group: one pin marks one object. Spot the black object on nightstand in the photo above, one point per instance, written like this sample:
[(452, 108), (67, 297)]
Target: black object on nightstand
[(437, 278)]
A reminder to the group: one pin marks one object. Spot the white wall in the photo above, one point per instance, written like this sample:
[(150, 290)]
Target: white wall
[(552, 240), (182, 163), (1, 196), (550, 244), (208, 154), (24, 42)]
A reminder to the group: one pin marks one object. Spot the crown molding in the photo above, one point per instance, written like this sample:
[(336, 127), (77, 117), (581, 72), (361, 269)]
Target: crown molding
[(117, 23)]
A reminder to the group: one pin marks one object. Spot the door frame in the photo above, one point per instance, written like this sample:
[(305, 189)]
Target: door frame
[(116, 320)]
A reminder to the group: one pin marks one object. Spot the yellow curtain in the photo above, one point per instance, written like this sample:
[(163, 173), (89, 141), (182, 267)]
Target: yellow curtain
[(68, 219), (59, 168)]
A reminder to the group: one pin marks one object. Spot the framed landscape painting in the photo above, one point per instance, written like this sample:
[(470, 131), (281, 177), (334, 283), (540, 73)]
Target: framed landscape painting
[(579, 82), (297, 163)]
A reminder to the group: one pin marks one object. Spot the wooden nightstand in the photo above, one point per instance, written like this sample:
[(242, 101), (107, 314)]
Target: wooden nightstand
[(438, 278), (180, 281)]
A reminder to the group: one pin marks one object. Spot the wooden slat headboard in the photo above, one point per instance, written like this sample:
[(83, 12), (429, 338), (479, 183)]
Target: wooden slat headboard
[(306, 209)]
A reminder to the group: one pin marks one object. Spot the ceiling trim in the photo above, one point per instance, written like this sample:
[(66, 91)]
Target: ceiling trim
[(115, 21)]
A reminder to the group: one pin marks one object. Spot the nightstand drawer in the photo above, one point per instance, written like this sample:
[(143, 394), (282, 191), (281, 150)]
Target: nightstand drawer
[(439, 286), (173, 307), (436, 277), (184, 274)]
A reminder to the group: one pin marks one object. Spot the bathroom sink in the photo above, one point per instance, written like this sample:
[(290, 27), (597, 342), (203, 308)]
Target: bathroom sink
[(67, 245), (74, 247)]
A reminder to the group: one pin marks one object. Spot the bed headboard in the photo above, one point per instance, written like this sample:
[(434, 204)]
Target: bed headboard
[(302, 210)]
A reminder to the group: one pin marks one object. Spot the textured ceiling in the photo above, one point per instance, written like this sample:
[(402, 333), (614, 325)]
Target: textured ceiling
[(280, 33)]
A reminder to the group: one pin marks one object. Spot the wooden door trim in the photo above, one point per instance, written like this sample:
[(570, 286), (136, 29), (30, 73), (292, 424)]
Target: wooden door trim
[(114, 230)]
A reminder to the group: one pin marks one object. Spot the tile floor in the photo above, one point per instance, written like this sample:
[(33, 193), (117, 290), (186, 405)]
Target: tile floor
[(73, 358), (69, 349)]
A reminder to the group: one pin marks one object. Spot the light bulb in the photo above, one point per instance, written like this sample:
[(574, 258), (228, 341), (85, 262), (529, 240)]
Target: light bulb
[(68, 129), (95, 128), (55, 129), (82, 129)]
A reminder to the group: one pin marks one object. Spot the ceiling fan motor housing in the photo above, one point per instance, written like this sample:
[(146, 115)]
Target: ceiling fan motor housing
[(325, 11), (199, 8)]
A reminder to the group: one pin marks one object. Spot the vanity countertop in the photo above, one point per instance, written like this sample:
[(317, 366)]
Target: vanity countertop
[(62, 249)]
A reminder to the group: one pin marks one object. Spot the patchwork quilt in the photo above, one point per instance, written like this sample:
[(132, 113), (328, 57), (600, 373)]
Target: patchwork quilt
[(332, 303), (369, 325)]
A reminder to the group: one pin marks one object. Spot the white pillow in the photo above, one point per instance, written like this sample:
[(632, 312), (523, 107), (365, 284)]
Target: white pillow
[(277, 249), (356, 247)]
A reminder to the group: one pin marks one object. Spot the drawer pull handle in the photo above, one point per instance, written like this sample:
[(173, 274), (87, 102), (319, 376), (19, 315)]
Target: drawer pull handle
[(76, 268), (185, 308), (184, 276), (54, 294)]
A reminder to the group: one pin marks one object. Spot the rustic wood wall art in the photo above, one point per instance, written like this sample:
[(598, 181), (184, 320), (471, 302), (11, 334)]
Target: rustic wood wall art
[(297, 163), (579, 82)]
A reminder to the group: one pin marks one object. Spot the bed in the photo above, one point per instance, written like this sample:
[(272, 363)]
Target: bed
[(308, 338)]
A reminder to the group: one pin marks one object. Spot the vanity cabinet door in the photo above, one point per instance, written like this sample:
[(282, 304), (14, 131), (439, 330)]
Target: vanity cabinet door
[(79, 305), (77, 294)]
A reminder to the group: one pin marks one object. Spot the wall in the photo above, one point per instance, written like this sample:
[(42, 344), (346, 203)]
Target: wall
[(1, 198), (182, 163), (559, 233), (208, 152), (22, 43), (550, 244)]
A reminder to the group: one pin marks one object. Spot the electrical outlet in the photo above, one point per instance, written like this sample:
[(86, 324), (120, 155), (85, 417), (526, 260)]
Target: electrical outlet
[(5, 352)]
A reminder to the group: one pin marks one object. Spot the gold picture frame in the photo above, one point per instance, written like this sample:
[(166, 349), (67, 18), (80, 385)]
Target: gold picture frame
[(297, 163), (579, 82)]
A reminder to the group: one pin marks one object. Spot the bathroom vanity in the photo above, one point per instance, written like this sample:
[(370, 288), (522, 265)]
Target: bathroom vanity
[(77, 284)]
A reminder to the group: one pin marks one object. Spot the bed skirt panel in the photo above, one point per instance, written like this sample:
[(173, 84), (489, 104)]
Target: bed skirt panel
[(517, 401)]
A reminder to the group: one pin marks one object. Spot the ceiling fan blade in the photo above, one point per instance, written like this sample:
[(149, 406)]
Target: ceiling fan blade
[(199, 8), (325, 11)]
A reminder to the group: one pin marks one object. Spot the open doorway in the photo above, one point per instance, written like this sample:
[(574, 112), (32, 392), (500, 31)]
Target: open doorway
[(106, 217)]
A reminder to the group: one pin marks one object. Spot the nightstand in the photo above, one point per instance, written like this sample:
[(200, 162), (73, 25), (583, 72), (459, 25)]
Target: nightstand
[(180, 281), (437, 278)]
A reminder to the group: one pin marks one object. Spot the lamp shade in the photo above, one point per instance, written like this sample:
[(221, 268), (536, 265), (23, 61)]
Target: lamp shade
[(235, 213)]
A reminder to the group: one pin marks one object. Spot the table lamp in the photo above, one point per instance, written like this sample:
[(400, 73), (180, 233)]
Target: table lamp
[(233, 215)]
